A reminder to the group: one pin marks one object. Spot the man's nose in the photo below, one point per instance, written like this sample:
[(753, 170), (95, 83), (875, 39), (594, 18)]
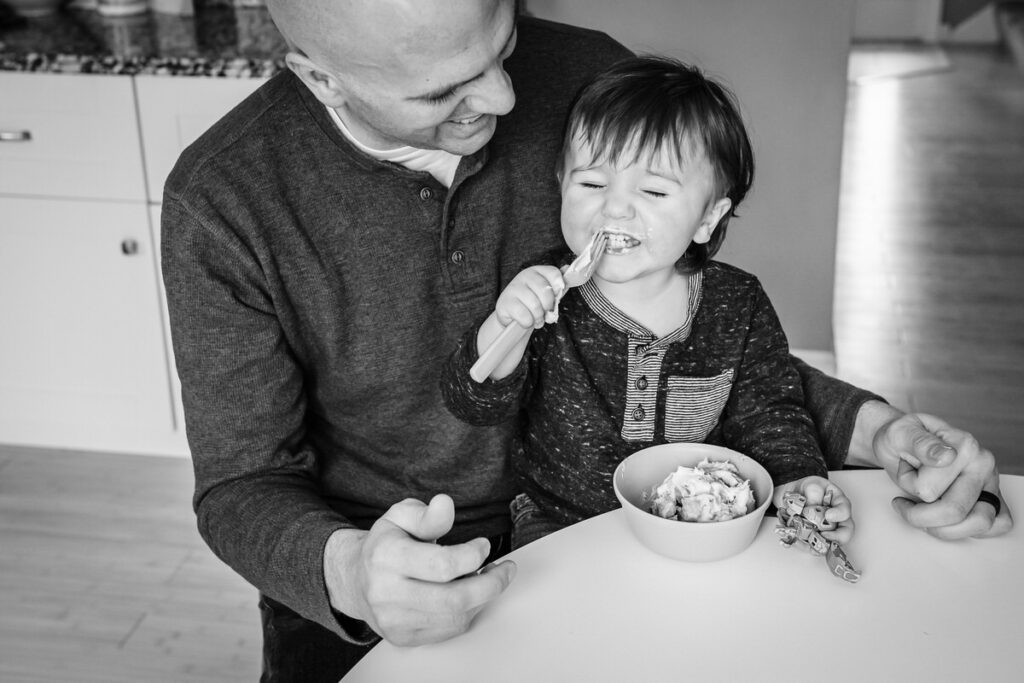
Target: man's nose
[(492, 93)]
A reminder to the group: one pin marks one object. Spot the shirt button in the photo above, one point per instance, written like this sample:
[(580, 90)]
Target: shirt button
[(458, 256), (639, 414), (426, 193), (641, 383)]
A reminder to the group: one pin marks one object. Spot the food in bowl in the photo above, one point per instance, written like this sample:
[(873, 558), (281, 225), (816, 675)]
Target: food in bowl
[(711, 491), (641, 473)]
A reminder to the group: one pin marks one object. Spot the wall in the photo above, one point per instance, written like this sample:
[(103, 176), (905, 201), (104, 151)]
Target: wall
[(786, 61), (920, 20)]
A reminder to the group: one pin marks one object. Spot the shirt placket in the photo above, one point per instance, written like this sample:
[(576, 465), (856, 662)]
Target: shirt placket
[(644, 369)]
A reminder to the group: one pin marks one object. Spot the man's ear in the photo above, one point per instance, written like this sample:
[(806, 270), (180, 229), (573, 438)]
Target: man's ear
[(324, 86), (711, 218)]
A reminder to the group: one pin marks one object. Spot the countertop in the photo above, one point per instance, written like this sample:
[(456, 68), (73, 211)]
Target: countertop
[(219, 40)]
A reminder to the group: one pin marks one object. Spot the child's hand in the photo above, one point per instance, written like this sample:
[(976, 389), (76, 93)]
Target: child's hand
[(818, 490), (529, 296), (524, 302)]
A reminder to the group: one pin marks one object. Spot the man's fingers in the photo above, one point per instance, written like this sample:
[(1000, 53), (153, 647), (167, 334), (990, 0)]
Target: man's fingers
[(425, 522), (957, 514), (461, 596), (906, 477), (922, 441), (977, 522), (952, 507), (438, 563), (444, 611), (1002, 524)]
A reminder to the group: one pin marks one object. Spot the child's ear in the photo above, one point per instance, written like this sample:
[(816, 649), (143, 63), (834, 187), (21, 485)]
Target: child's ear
[(712, 216), (324, 85)]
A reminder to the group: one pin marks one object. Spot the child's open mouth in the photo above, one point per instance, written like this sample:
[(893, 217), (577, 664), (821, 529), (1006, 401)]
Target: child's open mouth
[(620, 243)]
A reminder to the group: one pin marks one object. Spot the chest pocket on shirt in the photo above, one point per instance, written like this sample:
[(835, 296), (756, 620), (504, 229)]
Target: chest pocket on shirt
[(694, 404)]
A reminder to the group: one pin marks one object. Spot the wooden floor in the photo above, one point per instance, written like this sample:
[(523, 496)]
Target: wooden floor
[(103, 577), (929, 307)]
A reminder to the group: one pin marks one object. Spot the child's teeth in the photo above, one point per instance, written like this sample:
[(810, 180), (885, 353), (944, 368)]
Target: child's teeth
[(620, 241)]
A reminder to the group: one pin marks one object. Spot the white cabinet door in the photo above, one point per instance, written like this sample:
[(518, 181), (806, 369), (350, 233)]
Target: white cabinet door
[(82, 357), (173, 112), (179, 412)]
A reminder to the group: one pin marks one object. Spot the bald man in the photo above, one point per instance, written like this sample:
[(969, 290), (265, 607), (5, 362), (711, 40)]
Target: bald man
[(324, 247)]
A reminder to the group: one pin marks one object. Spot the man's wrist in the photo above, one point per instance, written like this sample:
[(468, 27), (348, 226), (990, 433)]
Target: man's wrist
[(341, 557), (872, 416)]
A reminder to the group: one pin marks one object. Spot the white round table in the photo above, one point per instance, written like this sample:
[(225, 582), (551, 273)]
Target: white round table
[(590, 603)]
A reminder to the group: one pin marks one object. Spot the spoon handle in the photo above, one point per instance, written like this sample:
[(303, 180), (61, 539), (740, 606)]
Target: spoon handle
[(496, 352)]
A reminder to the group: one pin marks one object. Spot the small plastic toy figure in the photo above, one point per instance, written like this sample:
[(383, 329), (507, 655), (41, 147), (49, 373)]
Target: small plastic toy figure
[(799, 521)]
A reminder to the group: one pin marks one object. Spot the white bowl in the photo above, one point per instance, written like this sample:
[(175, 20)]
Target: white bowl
[(642, 471)]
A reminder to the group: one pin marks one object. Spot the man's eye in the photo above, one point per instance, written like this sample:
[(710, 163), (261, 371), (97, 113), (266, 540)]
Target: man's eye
[(655, 193), (592, 186), (443, 97)]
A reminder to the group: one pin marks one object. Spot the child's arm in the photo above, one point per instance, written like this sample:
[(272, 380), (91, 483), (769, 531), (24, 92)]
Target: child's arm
[(765, 416), (524, 302), (821, 491)]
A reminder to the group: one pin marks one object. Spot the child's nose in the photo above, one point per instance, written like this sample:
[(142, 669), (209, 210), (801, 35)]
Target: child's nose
[(617, 205)]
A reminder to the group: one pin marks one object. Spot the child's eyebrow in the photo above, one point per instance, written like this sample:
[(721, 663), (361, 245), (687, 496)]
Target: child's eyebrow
[(664, 175)]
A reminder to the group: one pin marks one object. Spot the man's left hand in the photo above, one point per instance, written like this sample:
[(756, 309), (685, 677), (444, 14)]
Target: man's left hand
[(944, 470)]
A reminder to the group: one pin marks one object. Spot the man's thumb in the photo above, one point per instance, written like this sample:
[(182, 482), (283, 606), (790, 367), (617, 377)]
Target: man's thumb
[(425, 522)]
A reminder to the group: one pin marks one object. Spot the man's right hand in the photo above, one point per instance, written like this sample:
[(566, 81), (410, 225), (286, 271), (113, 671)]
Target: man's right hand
[(408, 589)]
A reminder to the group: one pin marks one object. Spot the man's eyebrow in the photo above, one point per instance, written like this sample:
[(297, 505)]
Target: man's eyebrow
[(441, 91)]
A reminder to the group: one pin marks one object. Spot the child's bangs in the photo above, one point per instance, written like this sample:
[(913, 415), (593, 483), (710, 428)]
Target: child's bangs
[(627, 136)]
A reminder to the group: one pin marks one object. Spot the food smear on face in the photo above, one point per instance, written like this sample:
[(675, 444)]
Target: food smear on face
[(710, 492)]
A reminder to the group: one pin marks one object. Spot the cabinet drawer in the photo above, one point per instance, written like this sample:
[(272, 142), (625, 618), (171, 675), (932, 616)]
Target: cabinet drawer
[(175, 111), (81, 137)]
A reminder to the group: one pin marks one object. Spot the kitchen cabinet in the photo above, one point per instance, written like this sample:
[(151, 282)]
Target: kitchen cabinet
[(173, 112), (85, 354), (83, 362), (69, 136)]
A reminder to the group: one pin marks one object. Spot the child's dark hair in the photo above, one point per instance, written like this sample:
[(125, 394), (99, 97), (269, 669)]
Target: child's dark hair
[(644, 102)]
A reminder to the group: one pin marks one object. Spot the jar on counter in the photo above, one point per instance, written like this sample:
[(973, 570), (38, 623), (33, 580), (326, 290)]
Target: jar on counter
[(121, 8)]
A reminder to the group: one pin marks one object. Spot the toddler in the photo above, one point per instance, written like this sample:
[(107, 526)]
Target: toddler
[(662, 344)]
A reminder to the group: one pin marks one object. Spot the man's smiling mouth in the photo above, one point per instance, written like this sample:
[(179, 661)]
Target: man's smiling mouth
[(466, 121)]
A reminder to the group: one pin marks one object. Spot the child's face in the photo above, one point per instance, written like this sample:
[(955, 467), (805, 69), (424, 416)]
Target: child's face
[(652, 209)]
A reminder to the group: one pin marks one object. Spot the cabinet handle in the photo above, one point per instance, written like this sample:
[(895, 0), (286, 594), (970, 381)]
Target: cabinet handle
[(129, 247), (15, 135)]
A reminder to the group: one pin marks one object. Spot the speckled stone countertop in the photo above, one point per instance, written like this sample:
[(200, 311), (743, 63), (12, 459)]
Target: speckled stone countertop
[(220, 40)]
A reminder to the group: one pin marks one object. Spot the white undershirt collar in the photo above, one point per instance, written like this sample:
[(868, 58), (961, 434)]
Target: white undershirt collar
[(436, 162)]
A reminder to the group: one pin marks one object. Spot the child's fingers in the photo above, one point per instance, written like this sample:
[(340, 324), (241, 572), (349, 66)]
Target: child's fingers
[(842, 534), (545, 292), (814, 489), (840, 511), (528, 297), (521, 312)]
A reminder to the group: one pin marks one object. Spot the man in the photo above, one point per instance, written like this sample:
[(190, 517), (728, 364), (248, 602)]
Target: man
[(325, 245)]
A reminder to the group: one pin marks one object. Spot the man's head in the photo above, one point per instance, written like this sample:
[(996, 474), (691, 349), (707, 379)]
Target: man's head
[(425, 73)]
